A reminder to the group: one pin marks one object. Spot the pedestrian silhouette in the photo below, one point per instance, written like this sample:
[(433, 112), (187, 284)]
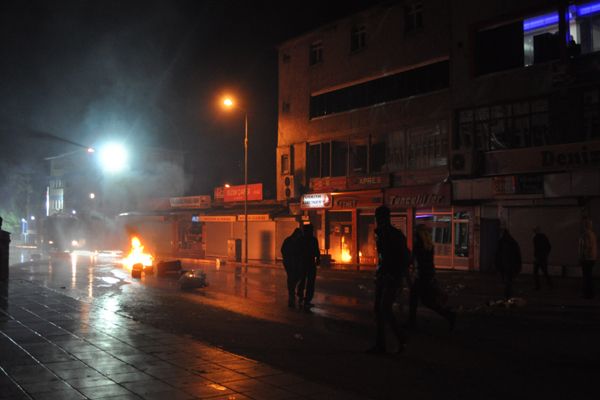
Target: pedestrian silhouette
[(541, 250), (392, 267), (425, 288), (290, 251), (310, 257), (508, 261), (588, 254)]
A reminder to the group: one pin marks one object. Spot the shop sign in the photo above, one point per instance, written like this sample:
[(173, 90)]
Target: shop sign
[(368, 181), (190, 202), (254, 217), (549, 158), (503, 185), (315, 200), (418, 196), (519, 184), (237, 193), (347, 201), (329, 184), (217, 218), (219, 193)]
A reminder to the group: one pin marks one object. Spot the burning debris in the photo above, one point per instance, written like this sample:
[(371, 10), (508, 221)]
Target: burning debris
[(137, 260)]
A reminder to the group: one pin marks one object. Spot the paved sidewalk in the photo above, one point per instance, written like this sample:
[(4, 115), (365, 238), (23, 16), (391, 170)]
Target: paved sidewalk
[(55, 347)]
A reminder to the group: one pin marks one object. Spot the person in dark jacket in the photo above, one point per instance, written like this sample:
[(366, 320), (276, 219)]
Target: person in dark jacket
[(310, 257), (508, 261), (392, 268), (541, 250), (290, 251), (424, 287)]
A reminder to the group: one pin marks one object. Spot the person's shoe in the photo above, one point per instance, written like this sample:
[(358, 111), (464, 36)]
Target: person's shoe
[(376, 350)]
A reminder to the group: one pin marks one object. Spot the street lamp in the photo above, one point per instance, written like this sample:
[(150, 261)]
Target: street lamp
[(229, 103)]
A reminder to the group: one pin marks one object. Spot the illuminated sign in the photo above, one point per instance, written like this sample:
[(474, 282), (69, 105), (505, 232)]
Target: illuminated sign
[(254, 217), (315, 200), (237, 193), (217, 218), (190, 202)]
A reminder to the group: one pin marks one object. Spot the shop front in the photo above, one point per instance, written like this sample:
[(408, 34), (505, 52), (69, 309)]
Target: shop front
[(451, 227)]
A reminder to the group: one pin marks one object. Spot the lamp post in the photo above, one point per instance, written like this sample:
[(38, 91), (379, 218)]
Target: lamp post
[(229, 103)]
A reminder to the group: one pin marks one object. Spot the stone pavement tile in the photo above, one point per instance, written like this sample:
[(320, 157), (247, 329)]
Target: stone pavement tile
[(34, 373), (205, 368), (270, 394), (65, 365), (248, 385), (259, 370), (332, 394), (207, 390), (115, 368), (146, 365), (143, 388), (307, 388), (59, 394), (130, 377), (282, 380), (170, 395), (238, 364), (186, 380), (130, 396), (80, 373), (100, 392), (233, 396), (43, 387), (224, 376), (165, 372), (89, 382)]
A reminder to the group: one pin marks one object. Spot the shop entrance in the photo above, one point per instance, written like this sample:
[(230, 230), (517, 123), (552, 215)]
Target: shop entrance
[(340, 237)]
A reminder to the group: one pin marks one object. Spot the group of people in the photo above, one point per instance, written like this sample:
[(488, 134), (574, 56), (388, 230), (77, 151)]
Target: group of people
[(508, 258), (301, 256)]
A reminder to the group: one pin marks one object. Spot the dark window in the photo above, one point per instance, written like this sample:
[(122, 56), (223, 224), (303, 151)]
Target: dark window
[(377, 157), (413, 16), (314, 161), (325, 159), (405, 84), (316, 53), (339, 158), (358, 37), (358, 158), (499, 48)]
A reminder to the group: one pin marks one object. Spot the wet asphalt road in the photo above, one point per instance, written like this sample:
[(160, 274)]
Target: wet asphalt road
[(548, 348)]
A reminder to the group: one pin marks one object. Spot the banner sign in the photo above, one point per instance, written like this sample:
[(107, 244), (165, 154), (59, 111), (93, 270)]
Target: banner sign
[(329, 184), (342, 183), (418, 196), (190, 202), (254, 217), (237, 193), (219, 193), (315, 200), (358, 200), (217, 218)]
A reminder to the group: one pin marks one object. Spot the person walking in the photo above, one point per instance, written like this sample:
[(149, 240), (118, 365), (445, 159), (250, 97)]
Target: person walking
[(290, 251), (541, 250), (508, 261), (588, 254), (425, 287), (309, 257), (392, 267)]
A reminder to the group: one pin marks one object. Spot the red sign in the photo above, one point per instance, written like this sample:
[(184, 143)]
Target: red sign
[(418, 196), (368, 181), (369, 199), (330, 184), (237, 193)]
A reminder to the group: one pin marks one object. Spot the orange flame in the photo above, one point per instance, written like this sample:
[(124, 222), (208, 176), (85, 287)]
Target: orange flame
[(346, 256), (137, 255)]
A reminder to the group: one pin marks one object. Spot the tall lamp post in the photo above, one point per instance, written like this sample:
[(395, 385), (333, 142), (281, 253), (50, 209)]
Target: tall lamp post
[(229, 103)]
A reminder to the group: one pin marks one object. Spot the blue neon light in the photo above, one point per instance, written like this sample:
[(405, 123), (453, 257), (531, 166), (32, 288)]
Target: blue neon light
[(540, 21), (588, 8)]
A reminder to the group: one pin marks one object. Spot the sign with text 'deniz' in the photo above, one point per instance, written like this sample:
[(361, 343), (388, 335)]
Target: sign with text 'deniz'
[(315, 200)]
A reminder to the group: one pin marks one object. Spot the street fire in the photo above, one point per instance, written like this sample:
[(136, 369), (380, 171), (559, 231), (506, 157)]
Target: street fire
[(137, 255), (346, 256)]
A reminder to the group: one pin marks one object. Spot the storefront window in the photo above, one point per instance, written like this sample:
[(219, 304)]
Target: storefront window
[(441, 231), (340, 237), (367, 251)]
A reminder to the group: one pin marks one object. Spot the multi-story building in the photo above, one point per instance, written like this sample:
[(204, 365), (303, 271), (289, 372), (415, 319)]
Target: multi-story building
[(458, 115)]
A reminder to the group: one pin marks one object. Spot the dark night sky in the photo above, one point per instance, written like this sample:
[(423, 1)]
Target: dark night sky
[(149, 72)]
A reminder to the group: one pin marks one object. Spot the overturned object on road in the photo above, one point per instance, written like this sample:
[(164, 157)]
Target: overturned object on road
[(162, 267), (136, 270), (192, 280)]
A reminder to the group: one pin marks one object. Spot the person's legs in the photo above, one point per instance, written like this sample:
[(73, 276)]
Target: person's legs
[(544, 268), (588, 284), (536, 276), (301, 284), (414, 302), (311, 276), (388, 298), (292, 280), (379, 321)]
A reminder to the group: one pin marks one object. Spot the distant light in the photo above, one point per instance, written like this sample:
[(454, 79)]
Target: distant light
[(227, 185), (91, 150), (113, 157), (32, 218), (228, 102), (74, 243), (74, 212), (92, 196), (23, 220)]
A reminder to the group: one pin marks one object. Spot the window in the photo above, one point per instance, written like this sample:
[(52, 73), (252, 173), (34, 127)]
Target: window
[(316, 53), (339, 158), (285, 164), (358, 38), (314, 161), (425, 146), (413, 16), (345, 157), (377, 161), (358, 158), (499, 48), (417, 81)]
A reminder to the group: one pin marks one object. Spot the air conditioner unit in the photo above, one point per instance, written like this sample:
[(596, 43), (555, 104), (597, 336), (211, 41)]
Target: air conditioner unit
[(286, 188), (461, 163)]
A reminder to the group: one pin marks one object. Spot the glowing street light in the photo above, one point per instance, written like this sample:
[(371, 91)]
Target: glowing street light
[(92, 196), (113, 157), (229, 103)]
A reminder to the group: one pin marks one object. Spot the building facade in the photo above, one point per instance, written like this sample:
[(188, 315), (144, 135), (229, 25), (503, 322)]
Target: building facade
[(456, 116)]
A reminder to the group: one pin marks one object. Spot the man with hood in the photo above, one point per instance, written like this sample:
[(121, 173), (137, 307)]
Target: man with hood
[(290, 251), (508, 261)]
